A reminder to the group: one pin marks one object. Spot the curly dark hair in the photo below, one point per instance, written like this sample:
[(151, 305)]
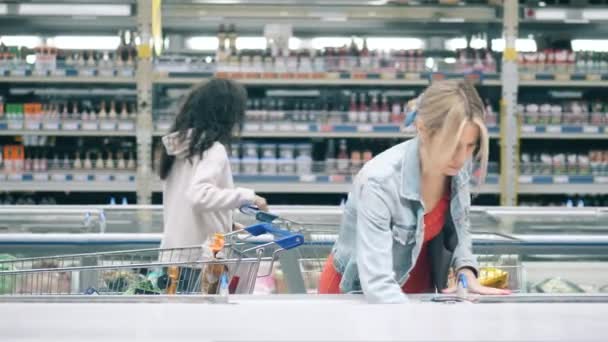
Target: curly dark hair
[(212, 110)]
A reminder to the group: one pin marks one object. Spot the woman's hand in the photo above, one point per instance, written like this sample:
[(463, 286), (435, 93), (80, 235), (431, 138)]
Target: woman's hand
[(474, 286), (260, 202)]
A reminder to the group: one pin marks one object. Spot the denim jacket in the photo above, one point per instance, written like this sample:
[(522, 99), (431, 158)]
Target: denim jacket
[(382, 228)]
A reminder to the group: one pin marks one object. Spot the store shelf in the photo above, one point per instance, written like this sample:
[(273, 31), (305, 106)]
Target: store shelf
[(563, 184), (68, 79), (68, 182), (316, 184), (343, 131), (73, 186), (563, 80), (563, 132), (61, 133), (331, 79)]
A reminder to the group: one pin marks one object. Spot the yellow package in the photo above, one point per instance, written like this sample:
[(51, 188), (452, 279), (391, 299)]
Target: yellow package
[(493, 277)]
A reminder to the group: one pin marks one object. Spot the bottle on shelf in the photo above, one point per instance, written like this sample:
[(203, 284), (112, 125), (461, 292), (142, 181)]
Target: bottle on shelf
[(131, 162), (77, 162), (88, 164), (353, 110), (99, 164), (124, 112), (343, 162), (121, 164), (109, 164), (103, 113), (363, 115), (374, 111), (112, 114), (330, 157), (385, 114), (66, 163)]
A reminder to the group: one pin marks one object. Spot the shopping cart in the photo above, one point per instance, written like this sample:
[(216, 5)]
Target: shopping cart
[(228, 263)]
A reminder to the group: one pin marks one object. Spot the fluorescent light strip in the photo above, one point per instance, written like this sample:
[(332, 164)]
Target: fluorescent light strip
[(599, 45), (550, 14), (86, 42), (595, 14), (75, 10), (3, 9), (521, 45), (29, 42)]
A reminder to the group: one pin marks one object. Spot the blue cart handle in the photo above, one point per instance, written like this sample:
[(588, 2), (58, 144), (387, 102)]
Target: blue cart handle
[(284, 238), (259, 215)]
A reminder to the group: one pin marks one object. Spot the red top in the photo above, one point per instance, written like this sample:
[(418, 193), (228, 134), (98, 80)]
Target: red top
[(420, 280)]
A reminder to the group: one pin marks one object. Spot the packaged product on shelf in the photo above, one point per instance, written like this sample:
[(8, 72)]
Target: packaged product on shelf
[(355, 161), (544, 164), (286, 166), (556, 115), (545, 114), (343, 162), (531, 114), (559, 164), (268, 150), (584, 166), (526, 166), (304, 159), (250, 150), (605, 162), (597, 113), (250, 166), (268, 166), (595, 162), (572, 164)]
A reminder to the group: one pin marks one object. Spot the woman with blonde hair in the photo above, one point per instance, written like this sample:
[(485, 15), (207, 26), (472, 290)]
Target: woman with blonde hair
[(406, 221)]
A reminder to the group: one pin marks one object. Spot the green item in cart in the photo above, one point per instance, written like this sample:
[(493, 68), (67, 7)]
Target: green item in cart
[(6, 283)]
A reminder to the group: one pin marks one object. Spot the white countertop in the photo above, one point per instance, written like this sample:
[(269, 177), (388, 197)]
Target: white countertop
[(298, 318)]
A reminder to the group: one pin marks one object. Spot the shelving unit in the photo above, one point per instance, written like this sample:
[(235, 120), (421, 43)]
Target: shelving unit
[(182, 19)]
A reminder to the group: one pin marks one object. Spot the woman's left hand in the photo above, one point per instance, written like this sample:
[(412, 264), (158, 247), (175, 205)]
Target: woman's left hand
[(475, 287)]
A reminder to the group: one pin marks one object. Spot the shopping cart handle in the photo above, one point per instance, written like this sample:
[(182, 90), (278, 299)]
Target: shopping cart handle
[(258, 214), (284, 238)]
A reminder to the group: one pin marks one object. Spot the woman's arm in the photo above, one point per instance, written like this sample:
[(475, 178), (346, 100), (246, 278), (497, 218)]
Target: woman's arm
[(374, 247), (204, 193)]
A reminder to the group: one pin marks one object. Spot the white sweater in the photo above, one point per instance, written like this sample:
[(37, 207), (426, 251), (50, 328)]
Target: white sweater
[(198, 196)]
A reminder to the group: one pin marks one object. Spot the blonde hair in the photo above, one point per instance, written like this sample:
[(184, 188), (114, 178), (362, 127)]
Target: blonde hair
[(445, 108)]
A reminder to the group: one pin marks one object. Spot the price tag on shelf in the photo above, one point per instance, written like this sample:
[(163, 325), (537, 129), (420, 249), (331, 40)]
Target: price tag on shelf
[(269, 127), (286, 127), (524, 179), (122, 177), (88, 72), (59, 177), (163, 126), (561, 179), (337, 178), (58, 72), (51, 126), (40, 72), (562, 77), (528, 129), (412, 76), (103, 177), (41, 177), (594, 77), (302, 128), (127, 73), (388, 76), (527, 77), (18, 72), (308, 178), (554, 129), (600, 179), (33, 126), (69, 125), (365, 128), (106, 72), (15, 125), (591, 129), (251, 127), (89, 126), (15, 177), (107, 125), (81, 177), (126, 126)]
